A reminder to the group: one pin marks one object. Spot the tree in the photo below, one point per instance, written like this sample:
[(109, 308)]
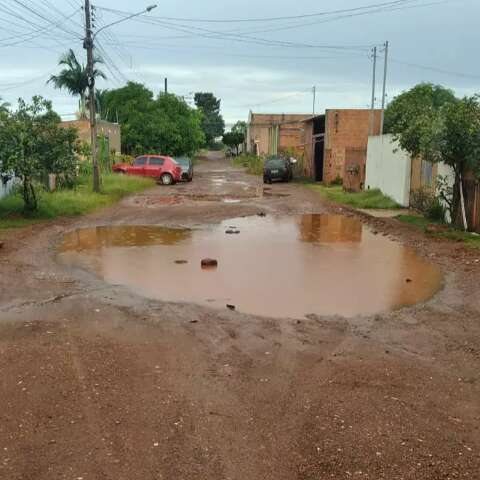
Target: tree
[(430, 122), (3, 106), (240, 127), (410, 115), (32, 144), (74, 78), (213, 124), (165, 124), (233, 139)]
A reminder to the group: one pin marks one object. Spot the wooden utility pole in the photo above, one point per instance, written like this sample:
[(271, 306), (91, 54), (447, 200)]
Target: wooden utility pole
[(372, 113), (384, 93), (88, 45), (314, 98)]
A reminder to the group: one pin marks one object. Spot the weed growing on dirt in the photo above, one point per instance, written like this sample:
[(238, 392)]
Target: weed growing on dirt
[(252, 163), (71, 202), (367, 199)]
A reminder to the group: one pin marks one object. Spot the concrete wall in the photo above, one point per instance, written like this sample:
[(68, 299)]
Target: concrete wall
[(262, 126), (110, 130), (388, 168)]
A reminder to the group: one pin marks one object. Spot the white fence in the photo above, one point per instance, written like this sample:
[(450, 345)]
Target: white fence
[(388, 168)]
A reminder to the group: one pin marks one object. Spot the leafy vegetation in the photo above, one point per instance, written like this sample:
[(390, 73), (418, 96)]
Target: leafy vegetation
[(213, 125), (367, 199), (252, 163), (33, 145), (74, 78), (163, 124), (430, 122), (233, 140), (70, 202)]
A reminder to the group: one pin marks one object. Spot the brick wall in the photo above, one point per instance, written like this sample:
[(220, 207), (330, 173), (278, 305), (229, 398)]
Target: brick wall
[(346, 130), (110, 130)]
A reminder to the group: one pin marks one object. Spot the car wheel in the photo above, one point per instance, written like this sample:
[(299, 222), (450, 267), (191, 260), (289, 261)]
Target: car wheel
[(166, 179)]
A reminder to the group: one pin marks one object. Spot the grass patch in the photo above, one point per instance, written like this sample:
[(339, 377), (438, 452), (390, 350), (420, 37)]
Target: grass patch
[(415, 220), (366, 199), (447, 232), (68, 203), (252, 163)]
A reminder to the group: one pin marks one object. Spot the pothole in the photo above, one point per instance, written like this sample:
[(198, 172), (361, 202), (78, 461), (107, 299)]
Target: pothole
[(272, 266)]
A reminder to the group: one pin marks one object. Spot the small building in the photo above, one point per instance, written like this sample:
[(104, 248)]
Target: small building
[(110, 132), (270, 134), (336, 145)]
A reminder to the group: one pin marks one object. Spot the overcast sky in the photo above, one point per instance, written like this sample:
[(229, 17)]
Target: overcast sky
[(268, 65)]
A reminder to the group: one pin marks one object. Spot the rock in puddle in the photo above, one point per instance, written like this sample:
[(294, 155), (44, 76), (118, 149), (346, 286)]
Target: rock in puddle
[(181, 262), (232, 231), (209, 263), (231, 307)]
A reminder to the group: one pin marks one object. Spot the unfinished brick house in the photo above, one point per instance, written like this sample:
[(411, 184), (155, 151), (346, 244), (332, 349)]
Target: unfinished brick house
[(270, 134), (335, 145)]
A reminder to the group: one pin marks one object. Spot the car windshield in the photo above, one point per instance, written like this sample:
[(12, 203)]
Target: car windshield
[(275, 163), (184, 162)]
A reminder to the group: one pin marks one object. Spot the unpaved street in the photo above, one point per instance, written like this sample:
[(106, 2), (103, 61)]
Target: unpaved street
[(100, 383)]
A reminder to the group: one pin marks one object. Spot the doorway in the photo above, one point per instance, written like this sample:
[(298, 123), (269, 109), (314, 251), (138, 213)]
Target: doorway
[(319, 157)]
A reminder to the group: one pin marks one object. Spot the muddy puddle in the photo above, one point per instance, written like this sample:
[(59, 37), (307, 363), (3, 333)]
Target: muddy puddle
[(272, 266)]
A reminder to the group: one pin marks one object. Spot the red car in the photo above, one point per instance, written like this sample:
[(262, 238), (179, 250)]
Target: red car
[(164, 169)]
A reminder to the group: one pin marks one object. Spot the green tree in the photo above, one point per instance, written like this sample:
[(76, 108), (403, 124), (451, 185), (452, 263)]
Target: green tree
[(213, 124), (3, 106), (411, 114), (429, 121), (240, 127), (32, 144), (165, 124), (74, 77), (233, 139)]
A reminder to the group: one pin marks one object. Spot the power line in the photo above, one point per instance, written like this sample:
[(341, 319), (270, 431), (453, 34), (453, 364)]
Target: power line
[(438, 70), (274, 19)]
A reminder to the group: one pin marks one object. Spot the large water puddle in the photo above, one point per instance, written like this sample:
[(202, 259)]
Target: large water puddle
[(272, 266)]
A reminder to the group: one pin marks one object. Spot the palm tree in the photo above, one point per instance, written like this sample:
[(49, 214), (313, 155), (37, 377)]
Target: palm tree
[(74, 77), (3, 106)]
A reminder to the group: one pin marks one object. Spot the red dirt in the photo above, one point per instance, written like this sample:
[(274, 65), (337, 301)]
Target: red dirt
[(98, 383)]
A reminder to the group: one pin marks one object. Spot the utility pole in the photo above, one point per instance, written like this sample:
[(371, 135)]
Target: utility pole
[(166, 85), (372, 113), (314, 98), (384, 94), (88, 45)]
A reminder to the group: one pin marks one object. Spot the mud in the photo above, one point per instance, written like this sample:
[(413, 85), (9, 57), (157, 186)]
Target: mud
[(273, 266), (98, 382)]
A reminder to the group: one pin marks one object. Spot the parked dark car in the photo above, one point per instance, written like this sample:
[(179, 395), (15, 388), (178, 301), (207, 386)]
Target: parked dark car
[(186, 165), (277, 168)]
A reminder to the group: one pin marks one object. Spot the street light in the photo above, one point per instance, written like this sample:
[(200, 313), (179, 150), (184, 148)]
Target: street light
[(88, 45), (133, 15)]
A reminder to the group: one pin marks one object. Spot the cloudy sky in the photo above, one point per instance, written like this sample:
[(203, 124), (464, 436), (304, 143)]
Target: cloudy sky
[(264, 55)]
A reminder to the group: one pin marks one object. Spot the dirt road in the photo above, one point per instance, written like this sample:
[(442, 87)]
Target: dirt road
[(99, 383)]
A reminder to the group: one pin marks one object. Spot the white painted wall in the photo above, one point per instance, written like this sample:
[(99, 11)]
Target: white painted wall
[(6, 188), (388, 168)]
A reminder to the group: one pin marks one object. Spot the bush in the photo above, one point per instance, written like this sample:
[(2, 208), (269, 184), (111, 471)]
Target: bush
[(252, 163), (435, 211), (425, 202)]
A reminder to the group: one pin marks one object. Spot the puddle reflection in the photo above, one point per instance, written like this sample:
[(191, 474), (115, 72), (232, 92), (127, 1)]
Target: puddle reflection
[(275, 266)]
